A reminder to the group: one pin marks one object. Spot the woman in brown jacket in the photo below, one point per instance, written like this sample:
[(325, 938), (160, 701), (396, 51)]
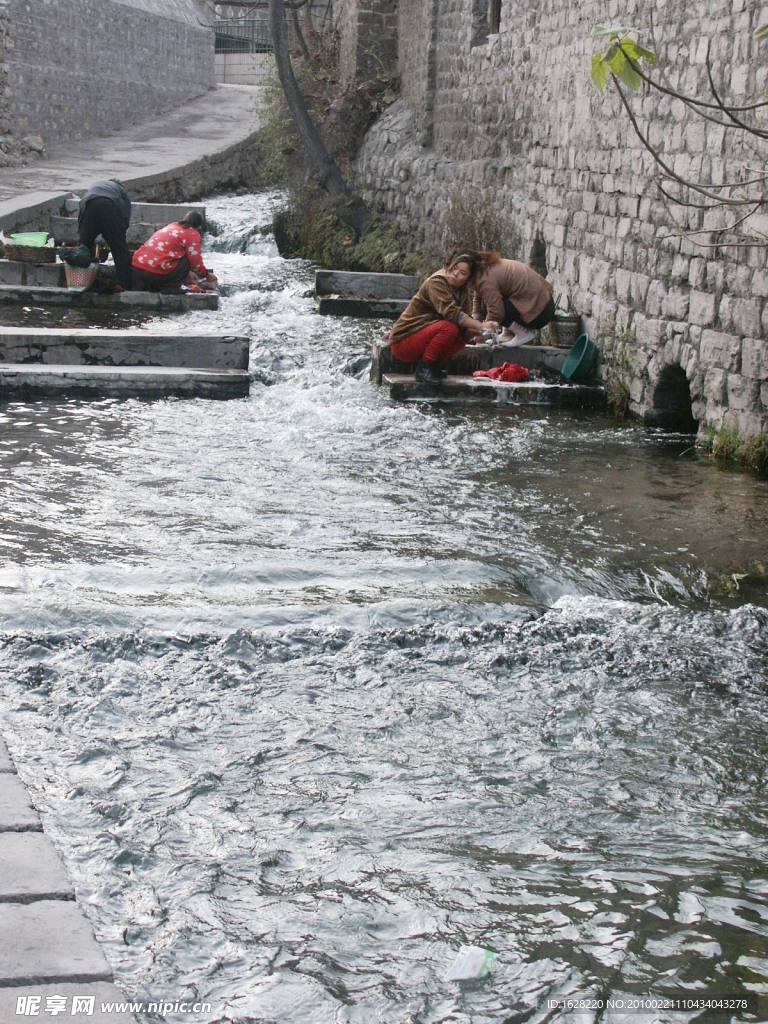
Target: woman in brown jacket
[(438, 320), (511, 293)]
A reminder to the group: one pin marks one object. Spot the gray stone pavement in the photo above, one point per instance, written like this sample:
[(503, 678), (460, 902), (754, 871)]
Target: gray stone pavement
[(47, 950), (148, 152)]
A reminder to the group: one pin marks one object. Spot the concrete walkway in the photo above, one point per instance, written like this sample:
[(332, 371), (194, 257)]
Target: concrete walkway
[(163, 152)]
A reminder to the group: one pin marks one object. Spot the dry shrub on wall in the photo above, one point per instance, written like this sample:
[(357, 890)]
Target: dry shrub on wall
[(473, 220)]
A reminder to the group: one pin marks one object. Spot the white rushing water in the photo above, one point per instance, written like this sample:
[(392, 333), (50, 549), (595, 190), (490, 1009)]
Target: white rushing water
[(313, 689)]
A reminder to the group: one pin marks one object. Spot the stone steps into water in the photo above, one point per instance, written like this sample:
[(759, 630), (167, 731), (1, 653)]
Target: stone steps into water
[(404, 387), (123, 348), (349, 293), (476, 357), (176, 302), (34, 379)]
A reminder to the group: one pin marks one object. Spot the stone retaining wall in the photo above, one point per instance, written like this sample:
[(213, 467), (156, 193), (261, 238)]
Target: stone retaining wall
[(78, 68), (368, 34), (512, 120)]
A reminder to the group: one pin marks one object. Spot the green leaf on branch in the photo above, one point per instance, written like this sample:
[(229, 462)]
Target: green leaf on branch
[(600, 72), (622, 58)]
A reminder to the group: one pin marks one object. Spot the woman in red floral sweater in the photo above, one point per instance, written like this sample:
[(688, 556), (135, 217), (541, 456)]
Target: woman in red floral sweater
[(172, 257)]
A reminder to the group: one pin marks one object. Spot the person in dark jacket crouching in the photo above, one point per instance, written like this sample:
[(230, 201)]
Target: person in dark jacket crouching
[(105, 210)]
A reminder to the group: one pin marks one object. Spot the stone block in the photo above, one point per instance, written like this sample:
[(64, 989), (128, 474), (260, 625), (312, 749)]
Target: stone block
[(675, 304), (697, 272), (702, 308), (16, 811), (742, 393), (48, 941), (721, 350), (6, 764), (747, 317), (77, 1006), (714, 387), (754, 358), (648, 332), (655, 298), (623, 281), (30, 869), (760, 283)]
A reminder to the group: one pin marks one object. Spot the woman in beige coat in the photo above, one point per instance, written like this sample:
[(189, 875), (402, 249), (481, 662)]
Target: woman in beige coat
[(512, 294)]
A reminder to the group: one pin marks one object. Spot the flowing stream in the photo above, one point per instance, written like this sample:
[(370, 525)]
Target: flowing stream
[(313, 688)]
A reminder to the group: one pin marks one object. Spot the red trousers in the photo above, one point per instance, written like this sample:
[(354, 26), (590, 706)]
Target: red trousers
[(435, 343)]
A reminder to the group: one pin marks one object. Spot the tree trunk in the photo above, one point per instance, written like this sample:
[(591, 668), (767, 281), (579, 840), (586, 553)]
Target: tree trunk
[(350, 207)]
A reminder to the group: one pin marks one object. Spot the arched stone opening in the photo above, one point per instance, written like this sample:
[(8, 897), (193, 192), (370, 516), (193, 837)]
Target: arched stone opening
[(671, 408)]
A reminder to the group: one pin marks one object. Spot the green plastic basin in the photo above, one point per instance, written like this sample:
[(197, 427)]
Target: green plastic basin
[(581, 361), (36, 239)]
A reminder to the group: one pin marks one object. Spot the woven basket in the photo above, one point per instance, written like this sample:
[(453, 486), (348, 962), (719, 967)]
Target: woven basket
[(81, 277), (30, 253)]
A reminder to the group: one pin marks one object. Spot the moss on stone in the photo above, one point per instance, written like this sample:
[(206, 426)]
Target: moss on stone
[(726, 445)]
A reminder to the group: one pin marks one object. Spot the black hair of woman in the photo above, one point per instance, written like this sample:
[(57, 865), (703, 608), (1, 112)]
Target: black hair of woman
[(194, 219)]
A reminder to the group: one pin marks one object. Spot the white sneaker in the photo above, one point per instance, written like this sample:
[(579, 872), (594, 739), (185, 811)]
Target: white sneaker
[(520, 335)]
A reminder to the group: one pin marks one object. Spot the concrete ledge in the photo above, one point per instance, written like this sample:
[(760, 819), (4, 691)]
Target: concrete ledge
[(366, 308), (36, 379), (64, 230), (30, 870), (349, 284), (145, 213), (82, 299), (47, 942), (16, 811), (68, 347), (34, 275), (103, 995), (403, 387), (6, 764)]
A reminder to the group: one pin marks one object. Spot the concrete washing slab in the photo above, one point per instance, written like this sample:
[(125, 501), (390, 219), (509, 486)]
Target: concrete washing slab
[(74, 298), (64, 230), (349, 293), (404, 387), (33, 379), (108, 348)]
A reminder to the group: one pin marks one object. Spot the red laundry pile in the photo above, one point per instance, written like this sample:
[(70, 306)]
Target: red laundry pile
[(510, 373)]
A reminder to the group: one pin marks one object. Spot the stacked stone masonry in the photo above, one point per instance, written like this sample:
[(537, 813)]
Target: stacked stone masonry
[(512, 119), (368, 32), (79, 68)]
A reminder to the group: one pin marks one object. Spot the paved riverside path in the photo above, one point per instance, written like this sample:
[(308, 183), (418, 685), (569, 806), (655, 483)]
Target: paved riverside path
[(147, 154), (47, 950)]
